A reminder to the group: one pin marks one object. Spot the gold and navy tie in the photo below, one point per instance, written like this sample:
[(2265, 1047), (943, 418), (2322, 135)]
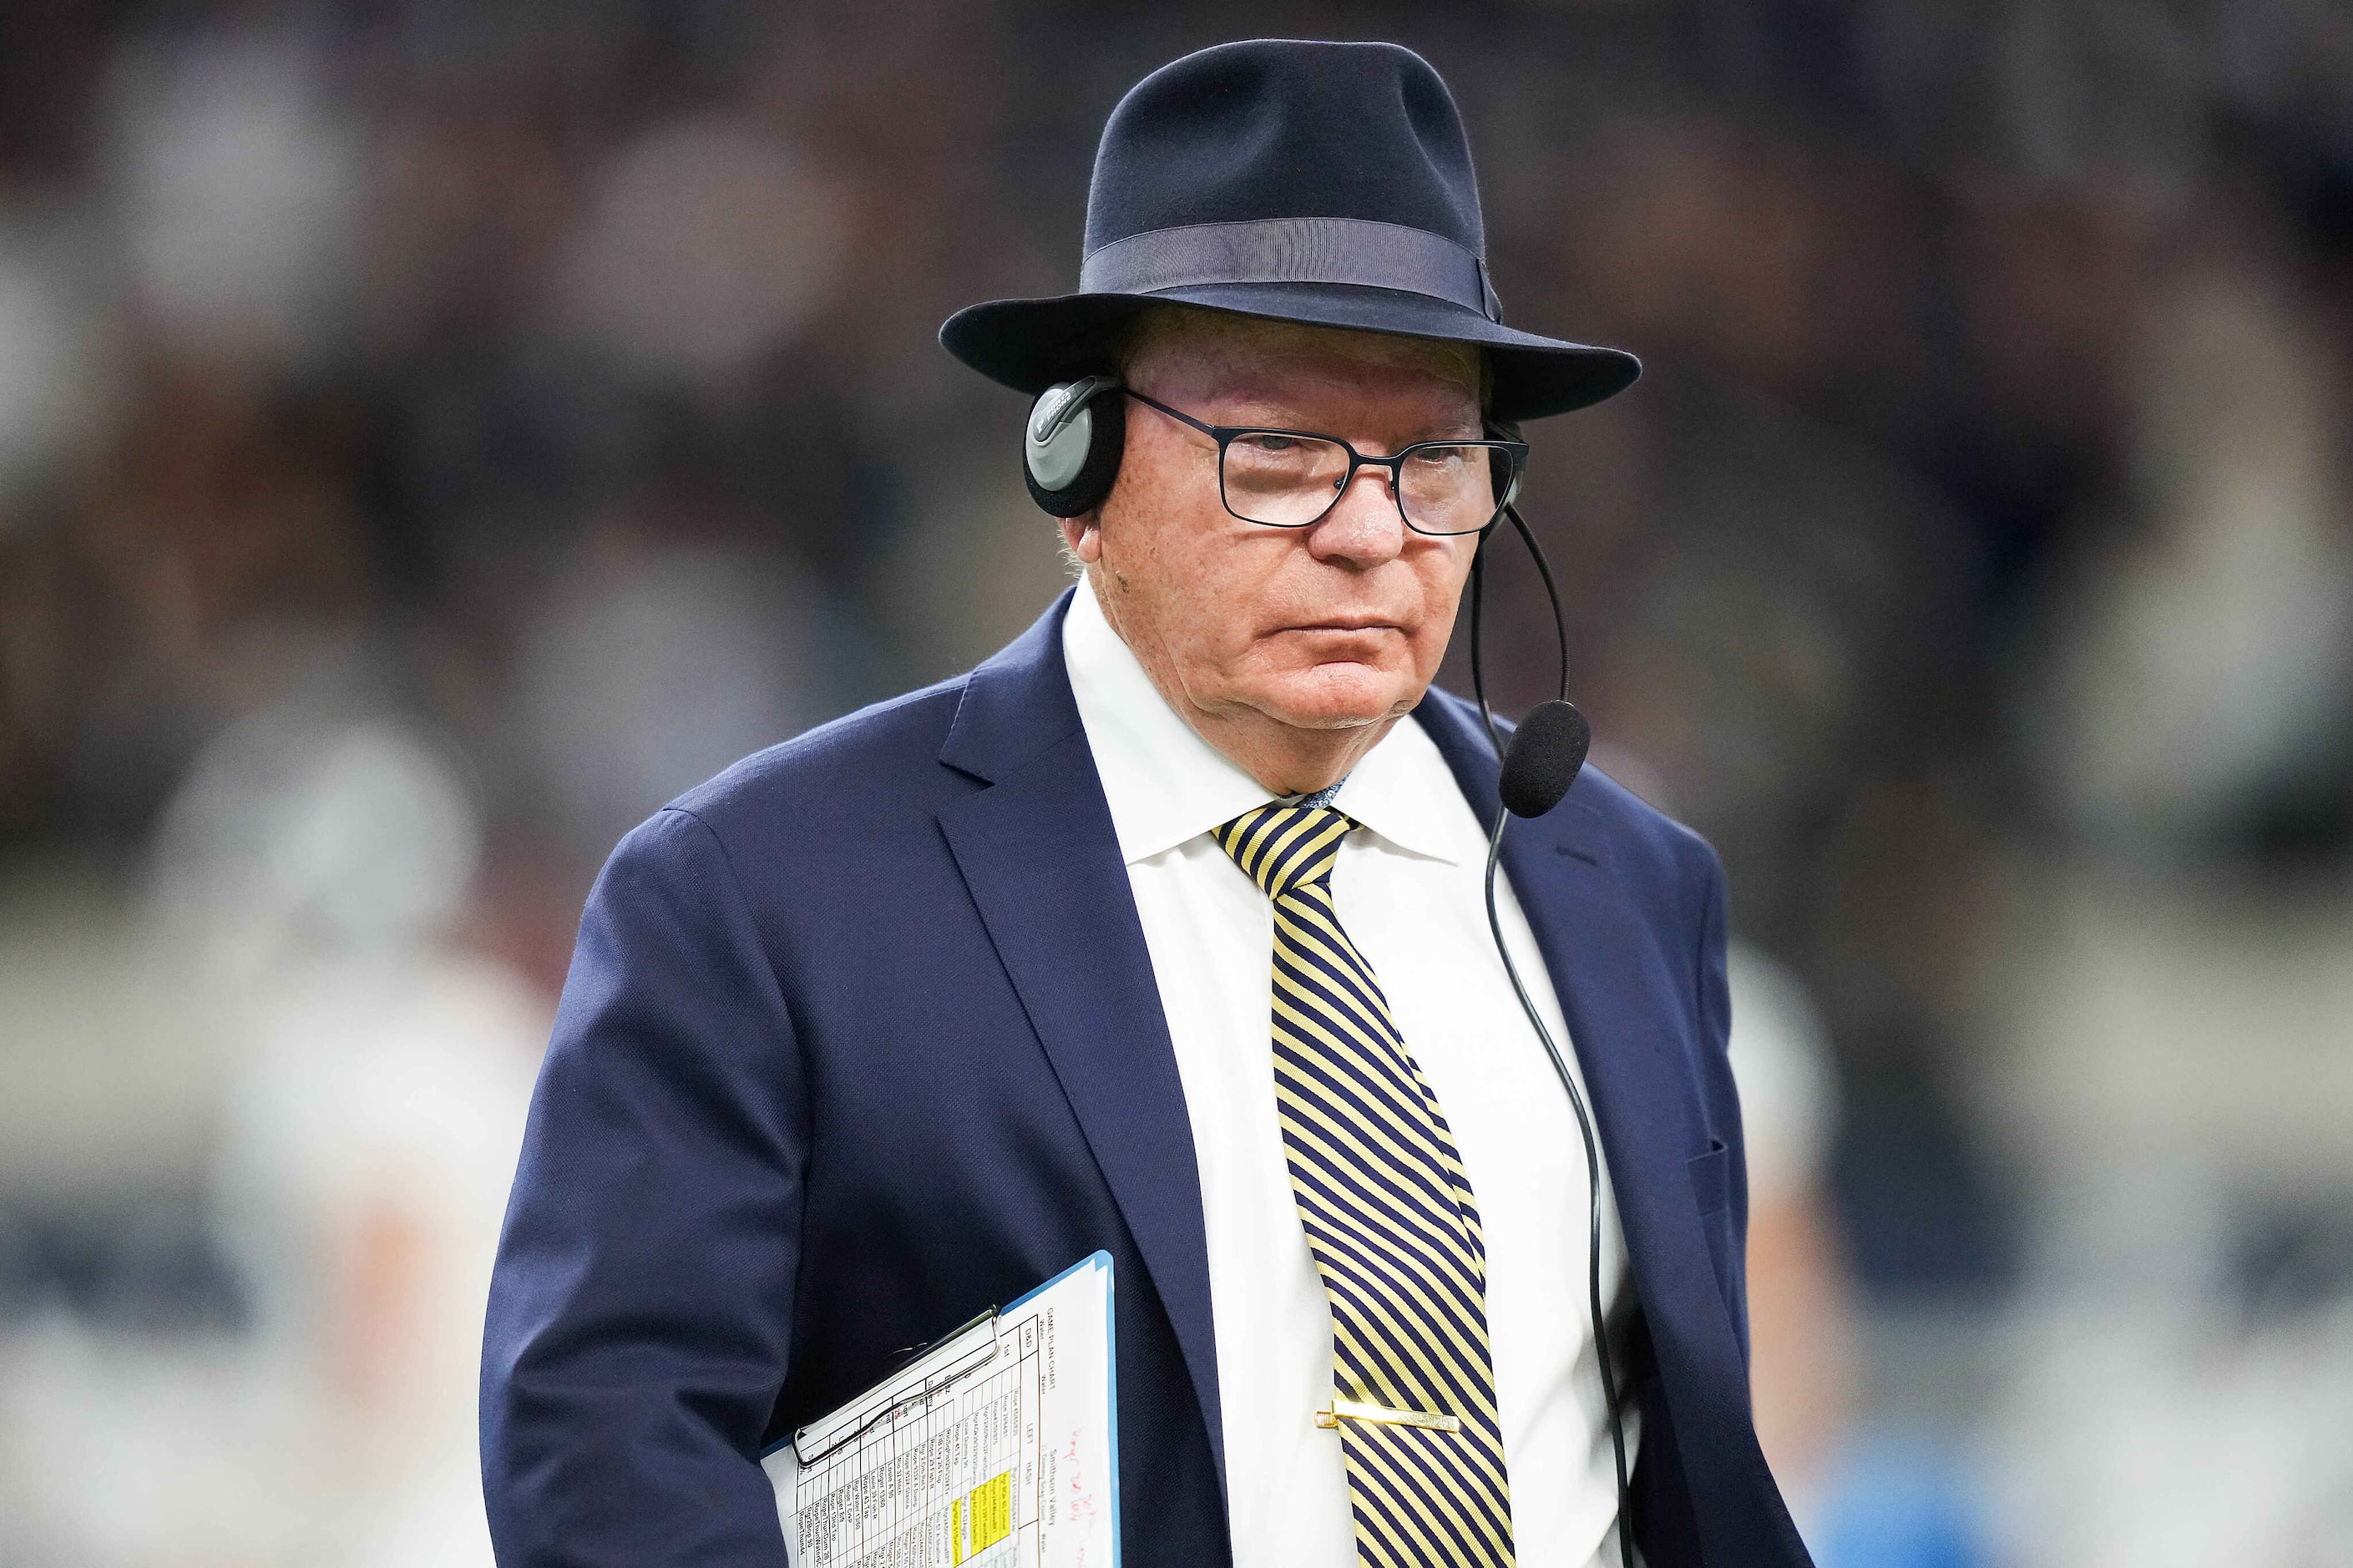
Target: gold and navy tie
[(1390, 1222)]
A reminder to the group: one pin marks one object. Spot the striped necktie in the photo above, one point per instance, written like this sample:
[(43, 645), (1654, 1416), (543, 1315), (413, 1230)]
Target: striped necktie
[(1390, 1222)]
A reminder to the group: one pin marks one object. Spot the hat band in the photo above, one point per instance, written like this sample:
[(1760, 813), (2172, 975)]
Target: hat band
[(1358, 251)]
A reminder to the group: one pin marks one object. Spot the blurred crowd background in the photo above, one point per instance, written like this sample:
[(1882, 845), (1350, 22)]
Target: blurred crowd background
[(431, 434)]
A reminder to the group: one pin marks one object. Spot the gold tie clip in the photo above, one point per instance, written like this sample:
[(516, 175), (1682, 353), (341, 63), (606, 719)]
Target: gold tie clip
[(1350, 1410)]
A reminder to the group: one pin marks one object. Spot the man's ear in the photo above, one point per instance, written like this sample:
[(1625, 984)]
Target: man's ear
[(1083, 535)]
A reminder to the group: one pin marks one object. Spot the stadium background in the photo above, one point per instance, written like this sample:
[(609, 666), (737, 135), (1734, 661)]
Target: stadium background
[(432, 434)]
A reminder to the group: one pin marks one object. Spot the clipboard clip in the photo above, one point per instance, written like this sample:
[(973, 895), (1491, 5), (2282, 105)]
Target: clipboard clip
[(953, 1369)]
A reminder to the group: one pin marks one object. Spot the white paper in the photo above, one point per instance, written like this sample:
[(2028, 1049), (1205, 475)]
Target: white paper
[(997, 1448)]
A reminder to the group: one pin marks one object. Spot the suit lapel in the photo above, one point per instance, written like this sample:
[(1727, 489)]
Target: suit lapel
[(1618, 994), (1041, 857)]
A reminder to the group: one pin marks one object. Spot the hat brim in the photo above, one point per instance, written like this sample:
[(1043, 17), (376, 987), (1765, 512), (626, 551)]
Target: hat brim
[(1030, 344)]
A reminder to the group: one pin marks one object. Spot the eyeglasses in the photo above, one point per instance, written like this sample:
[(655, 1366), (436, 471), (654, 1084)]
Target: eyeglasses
[(1291, 479)]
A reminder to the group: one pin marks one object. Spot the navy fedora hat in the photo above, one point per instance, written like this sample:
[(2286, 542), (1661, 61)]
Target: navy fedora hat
[(1322, 183)]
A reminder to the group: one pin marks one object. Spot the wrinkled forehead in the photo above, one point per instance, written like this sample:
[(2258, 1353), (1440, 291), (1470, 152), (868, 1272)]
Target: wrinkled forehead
[(1209, 347)]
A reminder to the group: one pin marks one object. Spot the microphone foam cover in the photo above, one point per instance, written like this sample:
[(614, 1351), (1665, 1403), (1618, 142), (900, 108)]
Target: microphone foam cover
[(1542, 759)]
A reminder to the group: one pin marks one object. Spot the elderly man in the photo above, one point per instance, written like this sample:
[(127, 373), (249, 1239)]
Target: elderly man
[(1164, 933)]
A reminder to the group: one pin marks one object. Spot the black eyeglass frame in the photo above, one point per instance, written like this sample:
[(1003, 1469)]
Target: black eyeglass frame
[(1225, 435)]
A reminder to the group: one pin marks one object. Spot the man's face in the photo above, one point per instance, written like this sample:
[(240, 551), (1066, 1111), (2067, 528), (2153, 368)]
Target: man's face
[(1333, 627)]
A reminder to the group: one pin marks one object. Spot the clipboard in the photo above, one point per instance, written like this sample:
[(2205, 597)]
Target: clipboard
[(996, 1447)]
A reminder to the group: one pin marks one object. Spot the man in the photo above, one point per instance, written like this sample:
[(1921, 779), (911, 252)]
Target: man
[(899, 1018)]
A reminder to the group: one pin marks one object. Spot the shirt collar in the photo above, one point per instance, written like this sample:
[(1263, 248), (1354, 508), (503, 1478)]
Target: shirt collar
[(1165, 785)]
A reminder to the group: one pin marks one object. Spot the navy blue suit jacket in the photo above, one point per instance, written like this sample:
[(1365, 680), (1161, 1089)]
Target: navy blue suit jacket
[(862, 1037)]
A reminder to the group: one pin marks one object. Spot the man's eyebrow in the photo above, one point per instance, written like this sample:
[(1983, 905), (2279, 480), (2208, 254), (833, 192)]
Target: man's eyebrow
[(1255, 415)]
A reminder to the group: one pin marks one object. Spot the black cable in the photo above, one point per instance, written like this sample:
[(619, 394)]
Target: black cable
[(1592, 1199), (1477, 683), (1552, 593), (1536, 1020)]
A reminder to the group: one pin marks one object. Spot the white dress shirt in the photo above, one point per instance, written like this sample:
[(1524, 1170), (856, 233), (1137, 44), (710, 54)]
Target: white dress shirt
[(1410, 892)]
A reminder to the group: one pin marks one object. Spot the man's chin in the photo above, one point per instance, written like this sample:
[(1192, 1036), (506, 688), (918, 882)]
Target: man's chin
[(1337, 697)]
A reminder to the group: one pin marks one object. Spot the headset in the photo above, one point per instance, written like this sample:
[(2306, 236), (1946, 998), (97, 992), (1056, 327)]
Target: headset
[(1070, 451), (1071, 448)]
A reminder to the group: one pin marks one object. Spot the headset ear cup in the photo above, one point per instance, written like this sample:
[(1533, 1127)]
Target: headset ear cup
[(1107, 415)]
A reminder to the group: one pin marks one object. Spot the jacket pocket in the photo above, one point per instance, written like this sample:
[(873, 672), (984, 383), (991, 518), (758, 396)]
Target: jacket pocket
[(1711, 1181), (1710, 1177)]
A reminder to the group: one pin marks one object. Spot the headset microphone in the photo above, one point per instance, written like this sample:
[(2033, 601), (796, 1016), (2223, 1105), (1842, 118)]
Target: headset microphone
[(1538, 767), (1547, 751), (1543, 760)]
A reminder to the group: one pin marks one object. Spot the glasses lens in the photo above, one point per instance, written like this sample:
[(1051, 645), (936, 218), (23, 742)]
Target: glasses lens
[(1287, 481), (1454, 489)]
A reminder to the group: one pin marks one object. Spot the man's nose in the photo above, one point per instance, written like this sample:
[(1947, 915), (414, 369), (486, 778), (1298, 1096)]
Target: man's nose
[(1364, 525)]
